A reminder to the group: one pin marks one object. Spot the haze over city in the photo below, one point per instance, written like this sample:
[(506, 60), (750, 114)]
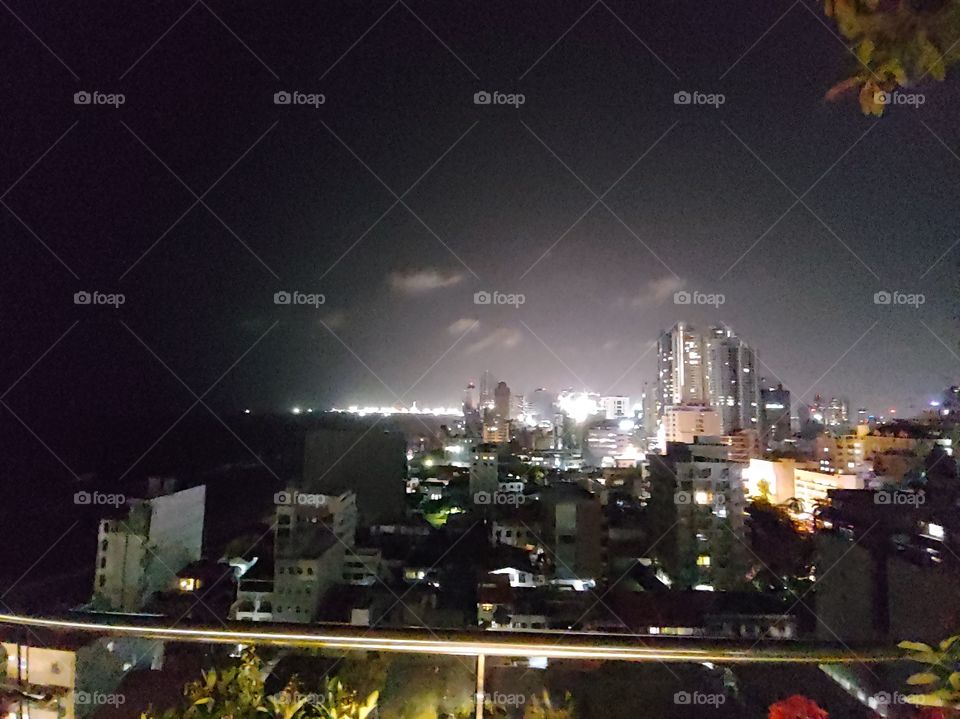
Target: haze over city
[(421, 359)]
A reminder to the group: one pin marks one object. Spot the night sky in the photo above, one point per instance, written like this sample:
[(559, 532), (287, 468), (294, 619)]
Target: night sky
[(304, 198)]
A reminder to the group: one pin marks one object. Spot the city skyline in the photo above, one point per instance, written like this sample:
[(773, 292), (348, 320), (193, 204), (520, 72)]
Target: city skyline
[(597, 199)]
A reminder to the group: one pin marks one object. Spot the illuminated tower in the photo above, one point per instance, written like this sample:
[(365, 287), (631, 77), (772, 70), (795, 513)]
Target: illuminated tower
[(501, 400), (682, 372), (486, 396), (469, 398)]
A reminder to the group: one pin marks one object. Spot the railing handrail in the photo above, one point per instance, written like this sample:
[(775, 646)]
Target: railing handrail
[(634, 648)]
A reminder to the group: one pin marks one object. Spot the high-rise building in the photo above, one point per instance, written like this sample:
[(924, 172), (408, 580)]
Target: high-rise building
[(649, 418), (775, 413), (486, 391), (715, 369), (708, 534), (501, 400), (469, 398), (732, 381), (520, 407), (681, 367), (575, 534), (484, 470), (836, 414), (314, 532)]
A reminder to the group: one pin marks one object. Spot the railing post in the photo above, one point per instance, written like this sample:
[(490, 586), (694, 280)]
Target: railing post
[(481, 666)]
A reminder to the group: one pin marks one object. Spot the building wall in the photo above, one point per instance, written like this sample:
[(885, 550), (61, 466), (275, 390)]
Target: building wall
[(775, 413), (371, 463), (777, 476), (576, 536), (856, 452), (484, 470), (845, 598), (141, 554), (300, 585), (363, 567), (924, 601), (615, 406), (811, 487), (683, 424), (306, 525), (121, 555), (710, 520), (176, 536)]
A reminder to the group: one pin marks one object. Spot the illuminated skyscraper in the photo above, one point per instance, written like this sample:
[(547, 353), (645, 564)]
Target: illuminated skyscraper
[(486, 393), (469, 398), (775, 413), (715, 369), (681, 373), (836, 413), (501, 400), (732, 388)]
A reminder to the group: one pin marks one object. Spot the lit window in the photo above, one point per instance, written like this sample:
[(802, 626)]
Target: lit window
[(703, 560)]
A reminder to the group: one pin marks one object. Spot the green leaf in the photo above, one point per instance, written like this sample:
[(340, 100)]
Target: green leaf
[(916, 646), (947, 643), (924, 700), (865, 51), (922, 678)]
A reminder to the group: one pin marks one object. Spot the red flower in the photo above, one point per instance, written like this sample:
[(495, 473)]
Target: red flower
[(797, 707), (931, 713)]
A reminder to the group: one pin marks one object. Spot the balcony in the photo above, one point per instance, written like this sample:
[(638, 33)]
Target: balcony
[(422, 672)]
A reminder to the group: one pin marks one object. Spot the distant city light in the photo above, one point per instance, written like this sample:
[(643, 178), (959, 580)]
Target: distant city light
[(578, 405), (413, 409)]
